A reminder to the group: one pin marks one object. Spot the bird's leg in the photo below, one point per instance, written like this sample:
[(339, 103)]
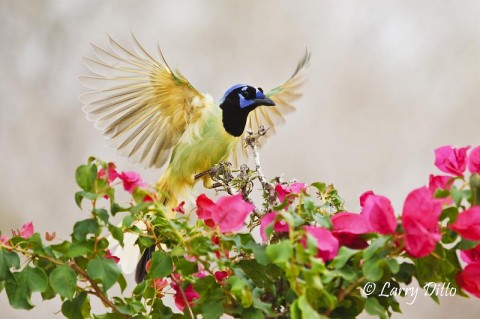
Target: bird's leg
[(207, 172)]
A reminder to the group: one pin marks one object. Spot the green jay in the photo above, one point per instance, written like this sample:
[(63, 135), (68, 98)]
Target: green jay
[(154, 116)]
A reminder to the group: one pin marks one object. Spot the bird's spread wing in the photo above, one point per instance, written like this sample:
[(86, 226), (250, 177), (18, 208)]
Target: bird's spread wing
[(139, 102), (270, 116)]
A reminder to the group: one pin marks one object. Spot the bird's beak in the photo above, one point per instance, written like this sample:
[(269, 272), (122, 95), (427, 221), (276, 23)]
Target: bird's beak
[(265, 101)]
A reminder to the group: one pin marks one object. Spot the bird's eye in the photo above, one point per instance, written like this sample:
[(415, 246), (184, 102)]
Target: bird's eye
[(244, 93), (260, 89)]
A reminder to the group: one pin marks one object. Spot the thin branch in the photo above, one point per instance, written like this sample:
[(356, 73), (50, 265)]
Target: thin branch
[(97, 291), (343, 293)]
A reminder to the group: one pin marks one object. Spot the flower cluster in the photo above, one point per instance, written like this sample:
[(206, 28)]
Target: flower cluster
[(25, 232), (311, 260), (130, 180)]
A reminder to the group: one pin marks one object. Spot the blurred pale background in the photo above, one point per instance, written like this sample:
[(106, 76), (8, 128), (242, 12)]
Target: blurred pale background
[(388, 82)]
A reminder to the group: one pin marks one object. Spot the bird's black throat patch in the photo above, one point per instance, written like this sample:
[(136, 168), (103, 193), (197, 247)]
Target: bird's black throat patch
[(234, 120)]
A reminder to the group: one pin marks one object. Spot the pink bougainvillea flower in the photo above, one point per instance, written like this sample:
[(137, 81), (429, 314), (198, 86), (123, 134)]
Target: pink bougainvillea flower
[(148, 198), (221, 275), (205, 209), (327, 244), (200, 273), (468, 223), (348, 228), (439, 182), (27, 230), (189, 258), (474, 161), (284, 191), (469, 279), (190, 293), (159, 284), (280, 226), (109, 255), (451, 160), (364, 196), (228, 213), (233, 210), (379, 213), (112, 173), (4, 239), (420, 222), (180, 208), (471, 255), (131, 180)]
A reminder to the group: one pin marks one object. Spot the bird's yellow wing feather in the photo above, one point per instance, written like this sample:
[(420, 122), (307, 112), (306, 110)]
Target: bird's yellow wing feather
[(139, 103), (269, 116)]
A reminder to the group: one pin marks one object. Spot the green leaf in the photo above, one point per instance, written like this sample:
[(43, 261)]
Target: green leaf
[(259, 274), (105, 270), (79, 249), (102, 214), (374, 308), (141, 287), (8, 259), (307, 310), (323, 221), (295, 312), (122, 282), (212, 297), (392, 264), (241, 291), (372, 268), (252, 313), (344, 254), (85, 176), (85, 227), (127, 221), (162, 265), (63, 281), (456, 194), (117, 233), (405, 273), (265, 307), (212, 310), (159, 310), (321, 187), (185, 267), (475, 187), (79, 196), (450, 212), (308, 204), (375, 247), (439, 268), (465, 244), (247, 242), (280, 253), (115, 207), (72, 309), (20, 286)]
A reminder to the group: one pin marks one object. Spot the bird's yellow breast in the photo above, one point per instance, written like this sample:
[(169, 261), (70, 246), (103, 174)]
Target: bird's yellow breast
[(201, 151)]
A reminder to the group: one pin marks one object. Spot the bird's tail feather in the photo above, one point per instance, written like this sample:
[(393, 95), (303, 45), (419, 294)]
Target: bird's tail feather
[(170, 190), (141, 270)]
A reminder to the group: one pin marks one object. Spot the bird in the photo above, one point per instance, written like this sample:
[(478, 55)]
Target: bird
[(153, 115)]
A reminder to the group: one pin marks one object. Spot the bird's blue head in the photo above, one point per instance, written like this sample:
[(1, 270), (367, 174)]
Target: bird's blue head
[(246, 97), (237, 103)]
